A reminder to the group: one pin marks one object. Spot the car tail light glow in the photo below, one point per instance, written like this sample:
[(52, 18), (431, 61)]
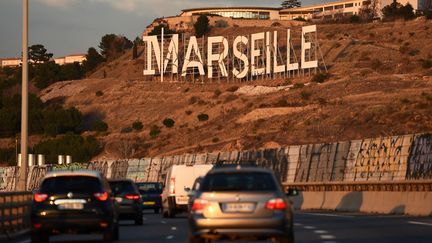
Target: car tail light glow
[(161, 195), (37, 225), (101, 196), (276, 204), (199, 205), (38, 197), (172, 186), (132, 196)]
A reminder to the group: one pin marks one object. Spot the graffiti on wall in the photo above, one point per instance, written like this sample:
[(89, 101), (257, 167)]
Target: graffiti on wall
[(380, 159), (420, 158)]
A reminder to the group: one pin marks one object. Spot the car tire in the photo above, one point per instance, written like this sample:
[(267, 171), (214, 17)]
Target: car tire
[(286, 239), (139, 219), (156, 210), (197, 239), (39, 238), (171, 213), (109, 235)]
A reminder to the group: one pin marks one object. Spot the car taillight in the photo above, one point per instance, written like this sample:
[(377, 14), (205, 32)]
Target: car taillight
[(199, 205), (172, 186), (276, 204), (161, 195), (132, 196), (38, 197), (101, 196)]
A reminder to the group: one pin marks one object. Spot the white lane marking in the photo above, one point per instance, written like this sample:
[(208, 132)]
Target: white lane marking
[(297, 224), (309, 227), (173, 228), (419, 223), (327, 237), (170, 237), (330, 215), (25, 241), (320, 231), (163, 222)]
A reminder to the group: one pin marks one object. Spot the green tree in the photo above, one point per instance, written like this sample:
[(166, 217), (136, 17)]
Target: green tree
[(39, 54), (138, 40), (134, 51), (157, 30), (112, 46), (396, 11), (46, 74), (201, 25), (291, 4), (93, 59), (71, 71)]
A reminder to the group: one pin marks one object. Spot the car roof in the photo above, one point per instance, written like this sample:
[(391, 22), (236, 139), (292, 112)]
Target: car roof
[(90, 173), (239, 168), (121, 180)]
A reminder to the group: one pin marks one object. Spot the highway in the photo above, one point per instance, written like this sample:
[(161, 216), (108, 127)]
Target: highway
[(310, 227)]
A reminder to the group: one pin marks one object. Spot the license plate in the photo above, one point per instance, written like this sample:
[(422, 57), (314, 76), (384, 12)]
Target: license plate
[(182, 200), (119, 199), (149, 203), (71, 206), (238, 207)]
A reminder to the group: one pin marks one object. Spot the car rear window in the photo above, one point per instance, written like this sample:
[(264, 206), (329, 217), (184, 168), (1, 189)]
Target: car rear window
[(66, 184), (253, 181), (149, 187), (122, 187)]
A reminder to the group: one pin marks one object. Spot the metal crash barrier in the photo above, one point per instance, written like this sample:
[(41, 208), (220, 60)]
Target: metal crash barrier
[(393, 186), (14, 213)]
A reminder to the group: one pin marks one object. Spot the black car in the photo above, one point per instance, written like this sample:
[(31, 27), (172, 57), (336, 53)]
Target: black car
[(129, 199), (151, 194), (73, 202)]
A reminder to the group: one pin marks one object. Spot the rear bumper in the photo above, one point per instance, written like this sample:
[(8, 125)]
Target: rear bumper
[(54, 225), (241, 228), (130, 211)]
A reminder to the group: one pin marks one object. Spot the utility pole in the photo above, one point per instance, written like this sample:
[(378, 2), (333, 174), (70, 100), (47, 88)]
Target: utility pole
[(22, 183)]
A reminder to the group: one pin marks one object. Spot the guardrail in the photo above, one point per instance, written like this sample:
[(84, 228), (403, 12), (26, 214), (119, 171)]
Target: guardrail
[(14, 213), (394, 186)]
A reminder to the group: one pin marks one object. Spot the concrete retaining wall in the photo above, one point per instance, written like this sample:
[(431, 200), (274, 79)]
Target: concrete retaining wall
[(411, 203), (396, 158)]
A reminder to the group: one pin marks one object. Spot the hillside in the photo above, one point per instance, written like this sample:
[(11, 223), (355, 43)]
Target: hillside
[(379, 85)]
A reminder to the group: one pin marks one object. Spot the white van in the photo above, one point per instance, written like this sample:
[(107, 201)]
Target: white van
[(179, 180)]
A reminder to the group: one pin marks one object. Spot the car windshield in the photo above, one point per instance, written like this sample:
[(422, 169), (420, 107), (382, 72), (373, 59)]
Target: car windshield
[(122, 187), (149, 187), (66, 184), (254, 181)]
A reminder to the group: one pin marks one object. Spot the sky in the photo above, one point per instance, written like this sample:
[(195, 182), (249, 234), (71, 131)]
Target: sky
[(72, 26)]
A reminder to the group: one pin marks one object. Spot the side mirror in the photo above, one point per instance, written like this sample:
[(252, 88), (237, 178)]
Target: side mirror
[(187, 189), (292, 192)]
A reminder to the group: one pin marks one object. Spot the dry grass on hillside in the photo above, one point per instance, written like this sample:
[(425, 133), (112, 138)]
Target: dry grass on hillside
[(378, 87)]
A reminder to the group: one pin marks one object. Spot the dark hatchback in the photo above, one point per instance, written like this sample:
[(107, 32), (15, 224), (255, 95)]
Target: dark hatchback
[(151, 194), (129, 199), (73, 202)]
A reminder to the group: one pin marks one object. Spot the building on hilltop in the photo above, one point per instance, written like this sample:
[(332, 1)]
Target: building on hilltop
[(79, 58), (15, 61), (236, 12)]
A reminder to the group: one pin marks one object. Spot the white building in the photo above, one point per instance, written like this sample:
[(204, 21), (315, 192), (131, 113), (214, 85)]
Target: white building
[(79, 58), (10, 62)]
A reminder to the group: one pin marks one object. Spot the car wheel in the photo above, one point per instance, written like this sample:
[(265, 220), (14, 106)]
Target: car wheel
[(39, 238), (109, 235), (286, 239), (197, 239), (156, 210), (139, 219), (171, 213)]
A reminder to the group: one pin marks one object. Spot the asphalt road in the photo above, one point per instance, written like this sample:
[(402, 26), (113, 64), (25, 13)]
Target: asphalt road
[(310, 227)]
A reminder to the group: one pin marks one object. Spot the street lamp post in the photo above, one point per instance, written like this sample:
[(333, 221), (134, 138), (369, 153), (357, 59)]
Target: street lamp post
[(22, 183)]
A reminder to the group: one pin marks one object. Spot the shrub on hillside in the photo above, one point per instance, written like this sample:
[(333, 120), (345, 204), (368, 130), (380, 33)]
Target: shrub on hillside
[(138, 126), (216, 93), (99, 126), (305, 94), (320, 77), (426, 64), (155, 131), (99, 93), (126, 130), (203, 117), (232, 89), (82, 149), (201, 26), (168, 122)]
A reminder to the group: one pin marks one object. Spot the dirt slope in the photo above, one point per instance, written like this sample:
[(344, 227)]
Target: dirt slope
[(377, 87)]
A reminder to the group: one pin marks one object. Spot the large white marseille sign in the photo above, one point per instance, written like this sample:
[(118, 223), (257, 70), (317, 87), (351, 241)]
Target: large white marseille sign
[(249, 60)]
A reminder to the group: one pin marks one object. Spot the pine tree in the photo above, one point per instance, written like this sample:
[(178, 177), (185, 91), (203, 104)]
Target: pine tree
[(291, 4)]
